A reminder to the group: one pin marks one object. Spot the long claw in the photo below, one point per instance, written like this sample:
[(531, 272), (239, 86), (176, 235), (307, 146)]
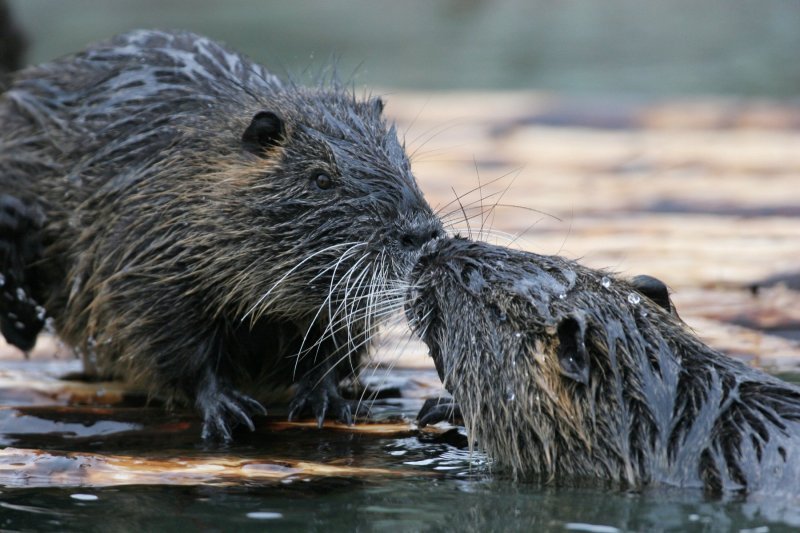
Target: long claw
[(223, 409)]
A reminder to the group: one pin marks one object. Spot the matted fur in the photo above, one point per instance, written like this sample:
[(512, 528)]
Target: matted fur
[(176, 258), (654, 406)]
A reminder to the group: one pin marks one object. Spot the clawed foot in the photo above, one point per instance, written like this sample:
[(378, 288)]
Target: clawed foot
[(223, 410), (21, 318), (321, 398), (436, 410)]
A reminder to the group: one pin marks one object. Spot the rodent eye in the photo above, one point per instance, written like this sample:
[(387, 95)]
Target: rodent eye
[(323, 181)]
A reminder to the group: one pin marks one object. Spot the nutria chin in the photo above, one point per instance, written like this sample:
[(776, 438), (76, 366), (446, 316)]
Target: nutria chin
[(563, 372), (197, 226)]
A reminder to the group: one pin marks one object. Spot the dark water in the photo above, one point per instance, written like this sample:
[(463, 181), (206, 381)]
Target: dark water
[(446, 488), (409, 505), (744, 47)]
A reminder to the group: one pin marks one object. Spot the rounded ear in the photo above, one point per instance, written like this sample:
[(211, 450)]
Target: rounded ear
[(573, 357), (377, 104), (653, 288), (266, 129)]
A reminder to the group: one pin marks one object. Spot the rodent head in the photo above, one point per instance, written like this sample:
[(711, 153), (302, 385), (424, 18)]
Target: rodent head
[(536, 350), (331, 202)]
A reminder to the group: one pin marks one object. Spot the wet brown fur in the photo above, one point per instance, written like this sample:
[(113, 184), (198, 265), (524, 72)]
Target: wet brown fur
[(563, 373), (161, 203)]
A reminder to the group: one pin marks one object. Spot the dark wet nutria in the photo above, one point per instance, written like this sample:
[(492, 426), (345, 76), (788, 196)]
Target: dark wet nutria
[(12, 42), (197, 226), (563, 372)]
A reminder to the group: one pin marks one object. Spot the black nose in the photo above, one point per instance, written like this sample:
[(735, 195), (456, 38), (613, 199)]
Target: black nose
[(414, 239)]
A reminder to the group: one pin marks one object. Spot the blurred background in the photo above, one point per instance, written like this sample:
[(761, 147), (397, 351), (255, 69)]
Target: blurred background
[(733, 47)]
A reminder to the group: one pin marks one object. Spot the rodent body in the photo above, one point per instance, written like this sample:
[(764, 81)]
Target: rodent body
[(562, 372), (197, 226), (12, 43)]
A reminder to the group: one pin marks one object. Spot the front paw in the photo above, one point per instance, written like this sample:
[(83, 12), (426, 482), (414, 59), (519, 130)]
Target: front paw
[(223, 410), (436, 410), (320, 397)]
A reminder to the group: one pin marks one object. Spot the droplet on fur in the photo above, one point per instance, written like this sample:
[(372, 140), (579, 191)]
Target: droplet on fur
[(634, 298), (510, 395), (41, 312), (644, 313), (50, 326), (606, 282), (562, 295), (2, 280), (518, 334), (472, 339), (19, 325), (21, 294)]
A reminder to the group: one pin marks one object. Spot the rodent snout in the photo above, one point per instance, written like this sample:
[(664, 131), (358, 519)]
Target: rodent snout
[(414, 238)]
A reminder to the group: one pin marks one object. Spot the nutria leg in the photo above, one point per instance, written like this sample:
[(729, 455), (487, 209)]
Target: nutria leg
[(436, 410), (223, 408), (21, 318), (318, 391)]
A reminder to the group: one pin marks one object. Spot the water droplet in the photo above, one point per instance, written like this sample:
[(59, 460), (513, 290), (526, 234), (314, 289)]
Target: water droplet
[(518, 334), (264, 515), (2, 280), (510, 395), (562, 295), (50, 326), (644, 313), (606, 282), (41, 312), (19, 325), (472, 339), (84, 497), (634, 298), (21, 294)]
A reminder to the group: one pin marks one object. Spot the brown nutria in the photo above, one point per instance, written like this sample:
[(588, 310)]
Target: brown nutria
[(563, 372), (12, 42), (194, 225)]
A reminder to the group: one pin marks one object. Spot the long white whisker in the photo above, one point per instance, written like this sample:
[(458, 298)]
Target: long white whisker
[(290, 272)]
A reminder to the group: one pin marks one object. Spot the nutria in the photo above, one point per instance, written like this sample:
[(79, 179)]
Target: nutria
[(194, 225), (12, 43), (563, 373)]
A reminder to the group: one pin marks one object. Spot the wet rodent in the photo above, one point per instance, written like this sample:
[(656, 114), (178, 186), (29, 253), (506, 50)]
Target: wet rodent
[(197, 226), (12, 43), (567, 373)]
